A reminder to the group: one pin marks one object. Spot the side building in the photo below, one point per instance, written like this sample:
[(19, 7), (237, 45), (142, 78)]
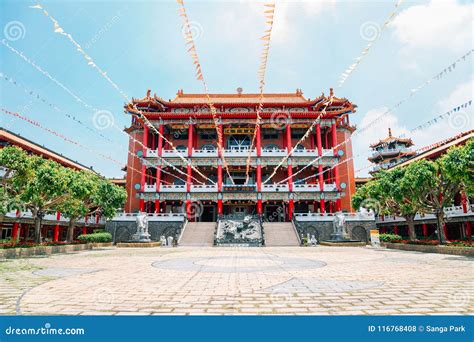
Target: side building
[(20, 225), (460, 216)]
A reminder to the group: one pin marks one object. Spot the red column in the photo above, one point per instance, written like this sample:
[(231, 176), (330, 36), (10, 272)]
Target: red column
[(320, 166), (145, 139), (258, 144), (143, 169), (468, 230), (190, 139), (291, 206), (336, 168), (445, 227), (425, 230), (16, 227), (289, 146), (189, 169), (259, 207), (395, 230), (56, 227), (84, 230), (464, 202), (158, 184), (158, 168), (160, 140), (220, 210)]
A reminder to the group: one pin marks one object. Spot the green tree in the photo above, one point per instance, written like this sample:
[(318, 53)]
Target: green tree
[(387, 195), (433, 188), (90, 194), (459, 166), (37, 184)]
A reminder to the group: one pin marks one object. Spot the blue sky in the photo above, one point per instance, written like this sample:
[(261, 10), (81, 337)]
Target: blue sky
[(140, 45)]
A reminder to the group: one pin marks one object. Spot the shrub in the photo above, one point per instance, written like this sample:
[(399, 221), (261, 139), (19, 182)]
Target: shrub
[(390, 237), (95, 237)]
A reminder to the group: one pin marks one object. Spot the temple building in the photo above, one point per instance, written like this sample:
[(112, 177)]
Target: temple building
[(390, 151), (189, 138)]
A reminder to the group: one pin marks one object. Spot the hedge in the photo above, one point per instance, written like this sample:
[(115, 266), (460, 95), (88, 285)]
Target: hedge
[(389, 237), (95, 237)]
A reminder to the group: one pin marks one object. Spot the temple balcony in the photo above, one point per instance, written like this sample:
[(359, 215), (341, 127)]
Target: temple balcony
[(172, 188), (389, 151), (204, 188), (275, 187), (242, 153)]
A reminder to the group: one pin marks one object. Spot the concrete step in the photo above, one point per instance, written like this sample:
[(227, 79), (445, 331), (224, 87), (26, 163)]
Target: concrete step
[(280, 234), (198, 234)]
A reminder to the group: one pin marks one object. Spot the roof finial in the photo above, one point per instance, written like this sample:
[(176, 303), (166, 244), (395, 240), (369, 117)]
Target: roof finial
[(180, 92), (239, 90), (389, 132), (148, 93), (331, 92)]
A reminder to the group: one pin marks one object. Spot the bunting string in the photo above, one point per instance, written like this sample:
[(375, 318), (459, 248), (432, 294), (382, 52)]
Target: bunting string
[(345, 75), (58, 29), (437, 119), (413, 92), (78, 99), (192, 51), (269, 12), (73, 142), (38, 97)]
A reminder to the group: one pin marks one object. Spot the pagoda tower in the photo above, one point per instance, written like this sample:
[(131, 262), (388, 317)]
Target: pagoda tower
[(390, 151)]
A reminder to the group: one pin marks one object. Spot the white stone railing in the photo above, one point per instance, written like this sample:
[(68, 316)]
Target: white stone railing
[(306, 187), (453, 211), (389, 151), (274, 152), (275, 187), (151, 153), (150, 187), (359, 216), (244, 152), (172, 188), (172, 153), (179, 217), (204, 153), (53, 217), (204, 188), (305, 153)]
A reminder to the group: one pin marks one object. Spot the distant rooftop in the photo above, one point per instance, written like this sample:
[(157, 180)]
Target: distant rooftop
[(9, 138)]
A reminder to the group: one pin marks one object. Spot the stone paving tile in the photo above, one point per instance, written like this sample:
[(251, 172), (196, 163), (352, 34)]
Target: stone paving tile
[(238, 281)]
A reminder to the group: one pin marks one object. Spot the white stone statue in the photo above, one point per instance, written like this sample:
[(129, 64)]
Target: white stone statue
[(313, 240), (163, 241), (142, 234), (170, 241)]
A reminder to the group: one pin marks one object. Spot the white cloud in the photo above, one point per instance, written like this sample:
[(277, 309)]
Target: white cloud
[(445, 24), (457, 123)]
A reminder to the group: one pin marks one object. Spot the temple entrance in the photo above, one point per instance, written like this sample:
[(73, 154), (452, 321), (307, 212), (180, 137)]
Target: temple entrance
[(274, 213), (208, 214)]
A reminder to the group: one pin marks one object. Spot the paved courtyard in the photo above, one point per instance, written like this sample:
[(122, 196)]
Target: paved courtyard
[(236, 281)]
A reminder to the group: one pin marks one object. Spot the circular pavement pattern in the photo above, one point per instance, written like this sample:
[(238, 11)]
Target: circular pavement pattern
[(240, 264)]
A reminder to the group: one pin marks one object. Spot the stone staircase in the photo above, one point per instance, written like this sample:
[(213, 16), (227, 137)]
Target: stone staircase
[(198, 234), (280, 234)]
